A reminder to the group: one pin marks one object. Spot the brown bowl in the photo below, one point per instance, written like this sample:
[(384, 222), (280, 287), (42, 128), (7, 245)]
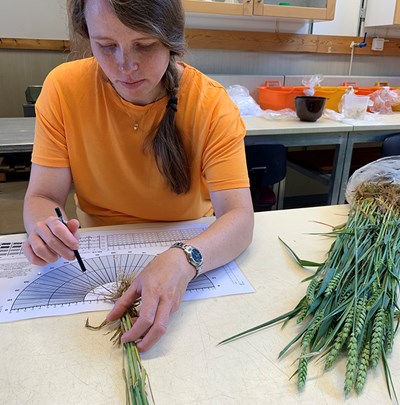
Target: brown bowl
[(309, 108)]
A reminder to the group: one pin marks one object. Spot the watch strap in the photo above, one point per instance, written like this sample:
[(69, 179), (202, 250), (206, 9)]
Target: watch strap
[(189, 250)]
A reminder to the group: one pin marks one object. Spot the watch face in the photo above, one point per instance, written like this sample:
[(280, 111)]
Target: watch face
[(196, 255)]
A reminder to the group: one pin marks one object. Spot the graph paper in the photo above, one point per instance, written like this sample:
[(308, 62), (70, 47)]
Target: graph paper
[(28, 291)]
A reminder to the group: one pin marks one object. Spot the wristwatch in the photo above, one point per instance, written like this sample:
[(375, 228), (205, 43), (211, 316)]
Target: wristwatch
[(194, 256)]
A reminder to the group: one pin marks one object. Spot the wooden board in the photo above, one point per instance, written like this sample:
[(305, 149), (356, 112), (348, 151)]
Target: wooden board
[(241, 41)]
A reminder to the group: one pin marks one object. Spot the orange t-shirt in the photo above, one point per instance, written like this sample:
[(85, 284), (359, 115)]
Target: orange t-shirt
[(83, 124)]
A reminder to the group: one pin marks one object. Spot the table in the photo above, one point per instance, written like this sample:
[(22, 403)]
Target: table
[(300, 133), (57, 361), (364, 132), (16, 134)]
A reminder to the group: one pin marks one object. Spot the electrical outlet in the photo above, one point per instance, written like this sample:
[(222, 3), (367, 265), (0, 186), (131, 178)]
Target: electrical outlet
[(377, 44)]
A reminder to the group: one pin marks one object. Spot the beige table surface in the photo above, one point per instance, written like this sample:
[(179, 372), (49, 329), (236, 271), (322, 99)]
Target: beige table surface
[(260, 125), (383, 122), (56, 360)]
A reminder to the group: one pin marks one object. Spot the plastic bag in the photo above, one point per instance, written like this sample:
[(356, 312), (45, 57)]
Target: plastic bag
[(385, 170), (310, 82), (241, 97), (286, 114), (335, 116), (352, 108), (383, 100)]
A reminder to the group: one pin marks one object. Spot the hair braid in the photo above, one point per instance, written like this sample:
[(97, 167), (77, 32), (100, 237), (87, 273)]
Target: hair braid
[(168, 147)]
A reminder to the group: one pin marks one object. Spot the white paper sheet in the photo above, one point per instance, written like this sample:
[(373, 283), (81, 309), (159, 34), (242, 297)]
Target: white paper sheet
[(28, 291)]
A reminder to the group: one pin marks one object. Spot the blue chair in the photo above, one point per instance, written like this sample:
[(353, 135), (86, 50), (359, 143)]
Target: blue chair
[(266, 166), (391, 145)]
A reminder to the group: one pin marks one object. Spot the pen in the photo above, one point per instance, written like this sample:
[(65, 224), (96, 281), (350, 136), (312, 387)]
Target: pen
[(77, 255)]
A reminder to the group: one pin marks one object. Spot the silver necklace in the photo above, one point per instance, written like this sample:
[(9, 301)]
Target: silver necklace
[(136, 125)]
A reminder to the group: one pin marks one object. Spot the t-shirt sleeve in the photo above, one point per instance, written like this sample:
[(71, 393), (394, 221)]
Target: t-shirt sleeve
[(224, 160), (50, 146)]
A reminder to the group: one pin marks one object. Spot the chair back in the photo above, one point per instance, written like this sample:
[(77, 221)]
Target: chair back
[(391, 145), (266, 166), (270, 160)]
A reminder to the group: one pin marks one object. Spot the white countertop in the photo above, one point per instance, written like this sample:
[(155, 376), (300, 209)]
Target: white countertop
[(382, 122), (19, 132), (57, 361), (262, 126)]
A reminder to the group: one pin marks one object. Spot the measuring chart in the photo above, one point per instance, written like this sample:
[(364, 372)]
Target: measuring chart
[(28, 291), (136, 239)]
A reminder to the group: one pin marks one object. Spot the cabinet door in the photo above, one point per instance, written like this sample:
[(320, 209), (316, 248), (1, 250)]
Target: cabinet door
[(377, 15), (231, 7), (301, 9)]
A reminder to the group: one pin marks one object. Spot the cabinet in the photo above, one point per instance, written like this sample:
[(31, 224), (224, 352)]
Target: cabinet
[(378, 16), (298, 9)]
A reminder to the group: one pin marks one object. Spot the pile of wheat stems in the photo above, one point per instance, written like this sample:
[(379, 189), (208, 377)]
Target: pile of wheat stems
[(351, 303)]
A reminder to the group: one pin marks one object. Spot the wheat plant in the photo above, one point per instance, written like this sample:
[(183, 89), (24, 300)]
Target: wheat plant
[(350, 307), (138, 389)]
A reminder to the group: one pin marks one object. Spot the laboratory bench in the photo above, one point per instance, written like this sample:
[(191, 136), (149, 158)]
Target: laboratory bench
[(17, 134)]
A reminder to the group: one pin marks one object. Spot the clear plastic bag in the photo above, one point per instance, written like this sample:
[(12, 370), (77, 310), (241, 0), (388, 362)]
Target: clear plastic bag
[(384, 170), (384, 99), (310, 82), (249, 108), (286, 114), (241, 97), (353, 106), (352, 109)]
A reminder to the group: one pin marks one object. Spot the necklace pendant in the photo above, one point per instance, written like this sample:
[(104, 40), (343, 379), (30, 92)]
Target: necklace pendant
[(135, 127)]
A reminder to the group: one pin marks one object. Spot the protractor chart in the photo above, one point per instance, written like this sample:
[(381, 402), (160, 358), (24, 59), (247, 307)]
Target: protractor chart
[(67, 284)]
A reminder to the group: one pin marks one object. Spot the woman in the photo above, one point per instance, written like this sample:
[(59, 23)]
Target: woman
[(143, 138)]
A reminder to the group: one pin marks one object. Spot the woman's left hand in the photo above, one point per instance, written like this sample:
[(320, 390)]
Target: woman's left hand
[(161, 286)]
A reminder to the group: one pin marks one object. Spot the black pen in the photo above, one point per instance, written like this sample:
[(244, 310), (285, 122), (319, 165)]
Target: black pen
[(77, 255)]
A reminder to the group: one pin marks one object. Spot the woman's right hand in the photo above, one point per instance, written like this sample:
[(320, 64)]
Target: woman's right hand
[(50, 239)]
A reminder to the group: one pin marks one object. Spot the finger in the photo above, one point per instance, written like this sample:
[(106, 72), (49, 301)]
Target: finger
[(123, 303), (62, 233), (145, 320), (39, 250), (57, 237), (73, 226), (158, 329), (31, 256)]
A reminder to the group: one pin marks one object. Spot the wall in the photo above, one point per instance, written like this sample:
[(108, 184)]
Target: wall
[(42, 18), (19, 69), (33, 19)]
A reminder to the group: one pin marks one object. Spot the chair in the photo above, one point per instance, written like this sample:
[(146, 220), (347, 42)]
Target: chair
[(266, 166), (31, 95), (391, 145)]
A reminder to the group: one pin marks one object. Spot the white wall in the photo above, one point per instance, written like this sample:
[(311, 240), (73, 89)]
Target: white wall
[(43, 19)]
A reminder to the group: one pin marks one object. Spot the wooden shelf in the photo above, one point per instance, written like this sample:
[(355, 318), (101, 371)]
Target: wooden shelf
[(241, 41)]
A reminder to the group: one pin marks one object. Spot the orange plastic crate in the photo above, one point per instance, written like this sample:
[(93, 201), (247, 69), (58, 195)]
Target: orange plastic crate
[(274, 96)]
